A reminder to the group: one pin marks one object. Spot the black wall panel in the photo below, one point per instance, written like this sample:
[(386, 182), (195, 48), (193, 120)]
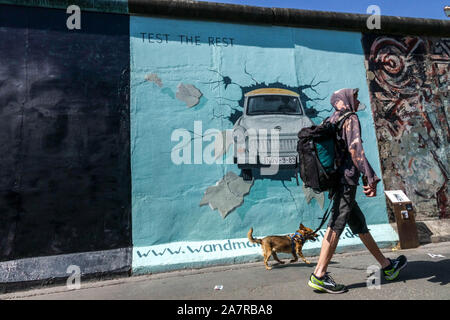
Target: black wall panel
[(65, 182)]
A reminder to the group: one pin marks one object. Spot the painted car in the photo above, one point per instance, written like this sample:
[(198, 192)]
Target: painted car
[(266, 133)]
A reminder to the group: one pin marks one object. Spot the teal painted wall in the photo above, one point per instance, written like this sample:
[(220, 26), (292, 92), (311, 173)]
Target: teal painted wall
[(166, 196)]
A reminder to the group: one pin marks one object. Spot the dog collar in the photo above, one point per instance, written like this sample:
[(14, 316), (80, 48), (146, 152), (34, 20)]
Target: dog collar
[(300, 236), (293, 239)]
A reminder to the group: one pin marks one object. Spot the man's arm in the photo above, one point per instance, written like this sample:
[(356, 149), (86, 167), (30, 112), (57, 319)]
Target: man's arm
[(352, 136)]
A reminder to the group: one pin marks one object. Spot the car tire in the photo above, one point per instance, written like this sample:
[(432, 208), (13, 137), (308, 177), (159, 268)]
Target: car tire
[(247, 174)]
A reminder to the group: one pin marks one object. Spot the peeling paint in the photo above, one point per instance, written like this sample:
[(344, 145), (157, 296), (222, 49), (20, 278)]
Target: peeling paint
[(310, 194), (227, 194), (153, 77), (189, 94)]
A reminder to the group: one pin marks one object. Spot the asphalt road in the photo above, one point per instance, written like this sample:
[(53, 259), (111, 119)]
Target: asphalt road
[(425, 278)]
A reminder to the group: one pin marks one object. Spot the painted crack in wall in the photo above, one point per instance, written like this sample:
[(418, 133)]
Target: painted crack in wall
[(236, 106), (226, 196)]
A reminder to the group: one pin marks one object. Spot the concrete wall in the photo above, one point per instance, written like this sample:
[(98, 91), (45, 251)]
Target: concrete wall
[(172, 201), (95, 121), (409, 90), (107, 6), (64, 138)]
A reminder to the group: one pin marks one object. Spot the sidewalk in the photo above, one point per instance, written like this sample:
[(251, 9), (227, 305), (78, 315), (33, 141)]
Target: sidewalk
[(425, 277)]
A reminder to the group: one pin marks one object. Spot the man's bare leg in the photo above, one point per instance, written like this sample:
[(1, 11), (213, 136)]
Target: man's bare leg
[(373, 248), (329, 244)]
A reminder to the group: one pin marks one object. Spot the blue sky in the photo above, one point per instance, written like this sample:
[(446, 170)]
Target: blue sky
[(433, 9)]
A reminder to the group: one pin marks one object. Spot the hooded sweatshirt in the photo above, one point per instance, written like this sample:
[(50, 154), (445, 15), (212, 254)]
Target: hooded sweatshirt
[(354, 161)]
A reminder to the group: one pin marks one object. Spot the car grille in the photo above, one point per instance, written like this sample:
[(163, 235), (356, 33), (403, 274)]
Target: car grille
[(286, 144)]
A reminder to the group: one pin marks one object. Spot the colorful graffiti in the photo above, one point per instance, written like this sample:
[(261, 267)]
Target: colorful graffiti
[(409, 91)]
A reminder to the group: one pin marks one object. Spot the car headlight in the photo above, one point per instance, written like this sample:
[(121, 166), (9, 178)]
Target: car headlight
[(240, 139), (239, 136)]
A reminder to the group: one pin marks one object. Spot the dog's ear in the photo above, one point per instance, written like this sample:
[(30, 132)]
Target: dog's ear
[(302, 226)]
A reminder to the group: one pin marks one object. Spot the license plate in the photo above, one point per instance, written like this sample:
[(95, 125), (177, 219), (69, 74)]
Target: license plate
[(278, 160)]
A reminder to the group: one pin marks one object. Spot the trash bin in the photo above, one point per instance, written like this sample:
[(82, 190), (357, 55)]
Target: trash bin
[(404, 217)]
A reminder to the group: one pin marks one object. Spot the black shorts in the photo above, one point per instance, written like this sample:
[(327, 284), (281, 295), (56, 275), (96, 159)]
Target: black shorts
[(346, 211)]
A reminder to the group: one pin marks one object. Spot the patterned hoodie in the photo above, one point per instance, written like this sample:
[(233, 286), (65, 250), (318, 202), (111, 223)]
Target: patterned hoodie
[(355, 161)]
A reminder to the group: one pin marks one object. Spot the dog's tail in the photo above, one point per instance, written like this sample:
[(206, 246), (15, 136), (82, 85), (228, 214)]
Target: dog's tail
[(250, 237)]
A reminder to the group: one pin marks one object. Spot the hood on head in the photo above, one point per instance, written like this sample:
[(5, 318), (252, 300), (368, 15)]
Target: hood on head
[(347, 98)]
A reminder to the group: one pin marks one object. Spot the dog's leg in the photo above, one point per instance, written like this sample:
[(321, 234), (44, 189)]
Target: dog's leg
[(274, 254), (295, 258), (303, 258), (267, 255)]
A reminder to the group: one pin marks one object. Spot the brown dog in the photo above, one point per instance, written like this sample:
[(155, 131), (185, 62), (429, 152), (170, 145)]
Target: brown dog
[(288, 244)]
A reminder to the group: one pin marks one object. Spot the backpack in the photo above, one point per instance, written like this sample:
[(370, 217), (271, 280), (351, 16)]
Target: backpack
[(321, 149)]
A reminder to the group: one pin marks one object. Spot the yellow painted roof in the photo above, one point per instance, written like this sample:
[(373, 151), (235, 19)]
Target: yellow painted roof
[(271, 91)]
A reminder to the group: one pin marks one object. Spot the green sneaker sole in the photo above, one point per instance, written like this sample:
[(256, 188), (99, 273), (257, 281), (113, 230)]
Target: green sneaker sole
[(314, 286), (317, 287)]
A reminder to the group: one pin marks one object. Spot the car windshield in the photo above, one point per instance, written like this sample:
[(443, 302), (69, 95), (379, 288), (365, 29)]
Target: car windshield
[(273, 104)]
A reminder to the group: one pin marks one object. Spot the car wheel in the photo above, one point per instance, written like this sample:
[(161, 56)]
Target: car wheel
[(247, 174)]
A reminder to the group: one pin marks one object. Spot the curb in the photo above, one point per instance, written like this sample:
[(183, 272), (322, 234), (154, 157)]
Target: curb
[(431, 231)]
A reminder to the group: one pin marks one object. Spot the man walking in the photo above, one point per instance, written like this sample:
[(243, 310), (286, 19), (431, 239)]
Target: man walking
[(345, 209)]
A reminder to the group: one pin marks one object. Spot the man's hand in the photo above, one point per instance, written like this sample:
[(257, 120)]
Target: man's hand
[(370, 190)]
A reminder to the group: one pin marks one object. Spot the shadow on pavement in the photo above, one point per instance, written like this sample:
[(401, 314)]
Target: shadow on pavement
[(298, 264), (436, 271)]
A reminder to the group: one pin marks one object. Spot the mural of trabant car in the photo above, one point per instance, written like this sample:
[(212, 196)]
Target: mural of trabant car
[(266, 133)]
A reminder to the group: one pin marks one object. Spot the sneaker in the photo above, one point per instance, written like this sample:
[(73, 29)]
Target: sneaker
[(392, 271), (326, 284)]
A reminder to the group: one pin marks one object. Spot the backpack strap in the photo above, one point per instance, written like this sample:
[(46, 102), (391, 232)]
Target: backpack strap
[(341, 145), (341, 120), (325, 120)]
